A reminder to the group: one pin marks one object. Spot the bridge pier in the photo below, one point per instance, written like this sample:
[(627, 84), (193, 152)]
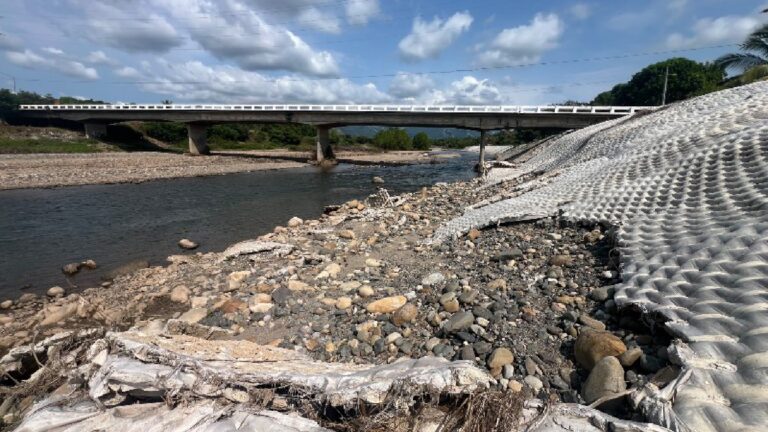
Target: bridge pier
[(95, 130), (324, 150), (481, 166), (198, 144)]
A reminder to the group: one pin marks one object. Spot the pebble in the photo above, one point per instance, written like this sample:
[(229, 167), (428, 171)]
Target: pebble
[(187, 244), (56, 291), (295, 222), (180, 294), (467, 352), (370, 262), (343, 303), (365, 291), (459, 321), (347, 234), (433, 279), (601, 294), (377, 180), (71, 269), (499, 358), (534, 383), (497, 284), (630, 356), (6, 304), (591, 322), (515, 386), (405, 314), (297, 285), (387, 304)]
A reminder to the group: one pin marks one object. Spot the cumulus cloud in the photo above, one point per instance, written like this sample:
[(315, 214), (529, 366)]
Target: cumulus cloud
[(359, 12), (30, 59), (428, 39), (233, 31), (713, 31), (323, 21), (127, 72), (410, 86), (53, 51), (100, 58), (580, 11), (195, 81), (114, 23), (523, 44)]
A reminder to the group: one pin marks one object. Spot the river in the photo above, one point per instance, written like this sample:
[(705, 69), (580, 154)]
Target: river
[(43, 229)]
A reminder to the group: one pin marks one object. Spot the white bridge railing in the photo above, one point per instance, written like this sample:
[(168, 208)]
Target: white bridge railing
[(597, 110)]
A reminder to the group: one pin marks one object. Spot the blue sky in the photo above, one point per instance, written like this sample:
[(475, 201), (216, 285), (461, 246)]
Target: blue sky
[(355, 51)]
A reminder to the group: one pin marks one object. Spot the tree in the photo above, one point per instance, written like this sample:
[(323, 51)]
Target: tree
[(421, 141), (687, 79), (392, 139), (755, 53)]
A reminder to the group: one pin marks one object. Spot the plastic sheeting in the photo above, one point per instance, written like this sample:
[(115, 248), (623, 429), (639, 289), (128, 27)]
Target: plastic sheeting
[(688, 187)]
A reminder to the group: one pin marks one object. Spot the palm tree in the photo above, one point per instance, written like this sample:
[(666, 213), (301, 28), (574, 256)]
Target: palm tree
[(755, 52)]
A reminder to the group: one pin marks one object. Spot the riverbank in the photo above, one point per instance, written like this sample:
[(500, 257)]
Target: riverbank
[(20, 171), (359, 286)]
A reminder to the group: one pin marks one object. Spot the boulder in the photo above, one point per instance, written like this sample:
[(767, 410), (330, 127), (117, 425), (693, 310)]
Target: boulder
[(187, 244), (235, 279), (630, 356), (387, 304), (347, 234), (606, 379), (405, 314), (193, 316), (593, 345), (377, 180)]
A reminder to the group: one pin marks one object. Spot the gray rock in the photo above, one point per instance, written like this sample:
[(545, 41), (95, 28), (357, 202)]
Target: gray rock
[(508, 254), (601, 294), (467, 353), (606, 379), (458, 322), (71, 269), (281, 295), (433, 279), (534, 383)]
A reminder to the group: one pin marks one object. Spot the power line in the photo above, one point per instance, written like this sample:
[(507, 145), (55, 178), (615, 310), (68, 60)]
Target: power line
[(394, 74)]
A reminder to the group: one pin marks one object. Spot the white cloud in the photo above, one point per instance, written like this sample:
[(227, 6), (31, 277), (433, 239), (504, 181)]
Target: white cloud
[(100, 58), (714, 31), (359, 12), (53, 51), (232, 30), (195, 81), (581, 11), (114, 24), (428, 39), (523, 44), (32, 60), (323, 21), (127, 72), (410, 86), (677, 6), (466, 91)]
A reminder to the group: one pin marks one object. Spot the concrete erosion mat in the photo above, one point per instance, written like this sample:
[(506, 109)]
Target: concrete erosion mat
[(687, 189)]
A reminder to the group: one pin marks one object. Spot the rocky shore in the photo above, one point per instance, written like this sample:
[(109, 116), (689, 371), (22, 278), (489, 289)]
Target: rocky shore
[(18, 171), (529, 303)]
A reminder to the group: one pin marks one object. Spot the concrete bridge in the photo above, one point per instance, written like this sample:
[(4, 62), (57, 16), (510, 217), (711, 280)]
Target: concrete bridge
[(325, 117)]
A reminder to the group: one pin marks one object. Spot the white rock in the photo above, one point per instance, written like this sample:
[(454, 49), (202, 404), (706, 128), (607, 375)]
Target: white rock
[(294, 222), (235, 279), (56, 291), (433, 279), (193, 316), (180, 294), (187, 244), (6, 304)]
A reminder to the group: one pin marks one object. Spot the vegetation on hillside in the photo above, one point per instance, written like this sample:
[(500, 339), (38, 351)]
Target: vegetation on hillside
[(687, 79)]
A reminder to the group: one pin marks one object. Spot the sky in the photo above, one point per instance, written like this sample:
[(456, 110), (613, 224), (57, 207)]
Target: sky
[(446, 52)]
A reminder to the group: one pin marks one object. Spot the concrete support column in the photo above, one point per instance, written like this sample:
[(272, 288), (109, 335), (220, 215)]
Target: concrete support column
[(198, 144), (95, 130), (481, 167), (324, 150)]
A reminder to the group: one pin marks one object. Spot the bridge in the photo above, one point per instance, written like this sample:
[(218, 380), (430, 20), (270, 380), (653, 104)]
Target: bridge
[(325, 117)]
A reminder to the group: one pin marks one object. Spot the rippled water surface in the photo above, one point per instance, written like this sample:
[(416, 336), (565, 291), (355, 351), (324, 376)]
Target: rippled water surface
[(43, 229)]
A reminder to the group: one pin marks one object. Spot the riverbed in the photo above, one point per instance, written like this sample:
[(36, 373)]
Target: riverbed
[(43, 229)]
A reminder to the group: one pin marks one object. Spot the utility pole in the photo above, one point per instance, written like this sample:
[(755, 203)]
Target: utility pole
[(666, 82)]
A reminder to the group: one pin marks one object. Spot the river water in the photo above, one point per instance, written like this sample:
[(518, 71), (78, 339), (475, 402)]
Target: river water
[(43, 229)]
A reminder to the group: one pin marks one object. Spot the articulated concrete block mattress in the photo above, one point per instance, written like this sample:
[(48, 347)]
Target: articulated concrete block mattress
[(687, 186)]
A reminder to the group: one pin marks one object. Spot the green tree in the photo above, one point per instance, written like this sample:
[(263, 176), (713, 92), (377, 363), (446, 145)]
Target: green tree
[(755, 53), (392, 139), (421, 141), (687, 79)]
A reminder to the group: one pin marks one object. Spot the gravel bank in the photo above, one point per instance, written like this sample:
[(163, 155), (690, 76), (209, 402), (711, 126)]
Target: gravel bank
[(20, 171)]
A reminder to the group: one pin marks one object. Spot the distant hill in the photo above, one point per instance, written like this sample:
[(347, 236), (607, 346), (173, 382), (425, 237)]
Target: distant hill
[(433, 133)]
